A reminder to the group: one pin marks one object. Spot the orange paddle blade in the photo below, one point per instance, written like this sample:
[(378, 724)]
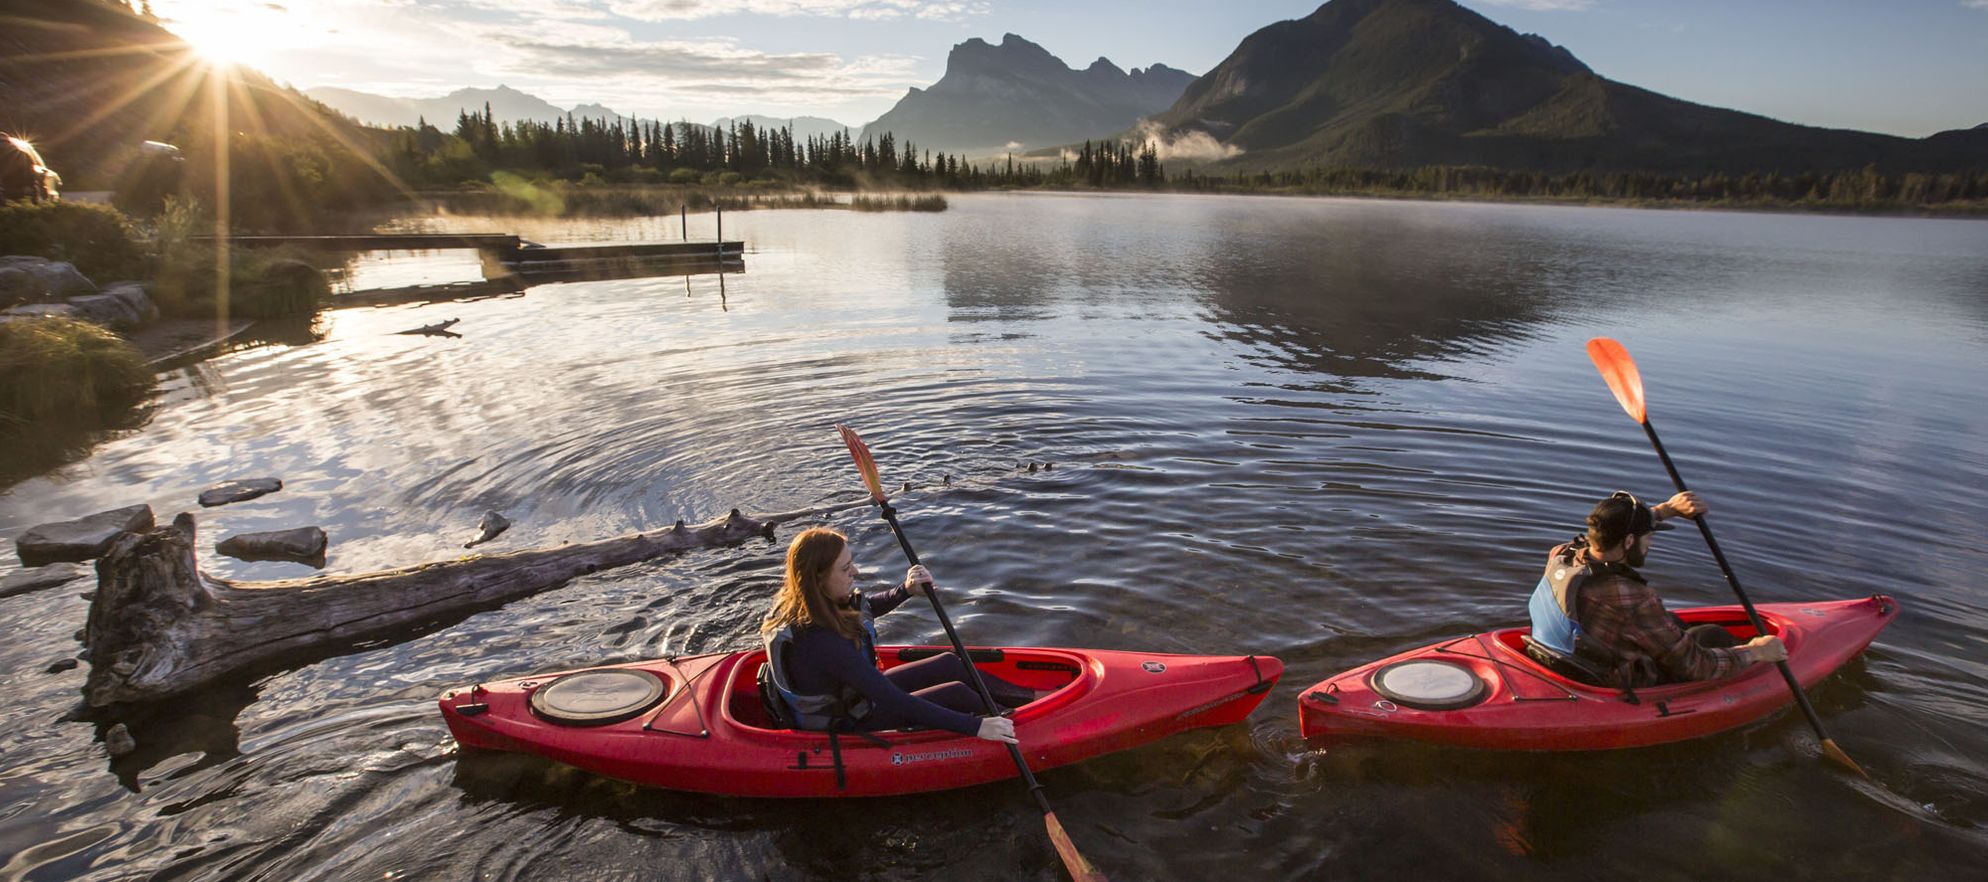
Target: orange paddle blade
[(1830, 749), (1619, 370), (864, 462), (1073, 861)]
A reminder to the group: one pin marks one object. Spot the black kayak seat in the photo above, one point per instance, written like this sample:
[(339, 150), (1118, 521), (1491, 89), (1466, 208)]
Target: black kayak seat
[(779, 715), (1572, 667)]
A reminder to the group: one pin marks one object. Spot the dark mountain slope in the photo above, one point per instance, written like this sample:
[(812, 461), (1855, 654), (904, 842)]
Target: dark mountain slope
[(1403, 83)]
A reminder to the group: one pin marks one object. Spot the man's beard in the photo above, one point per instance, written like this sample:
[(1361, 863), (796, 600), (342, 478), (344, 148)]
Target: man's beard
[(1635, 555)]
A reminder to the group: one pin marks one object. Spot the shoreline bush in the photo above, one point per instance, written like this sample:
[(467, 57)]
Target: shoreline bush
[(261, 282), (58, 367), (98, 239)]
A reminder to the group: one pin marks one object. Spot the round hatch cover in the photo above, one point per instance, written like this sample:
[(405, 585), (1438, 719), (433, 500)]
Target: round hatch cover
[(1429, 684), (594, 698)]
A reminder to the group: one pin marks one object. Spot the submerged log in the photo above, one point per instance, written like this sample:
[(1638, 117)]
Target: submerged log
[(159, 627), (438, 329)]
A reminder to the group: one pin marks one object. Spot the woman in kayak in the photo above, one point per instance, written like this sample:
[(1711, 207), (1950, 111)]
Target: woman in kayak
[(822, 659)]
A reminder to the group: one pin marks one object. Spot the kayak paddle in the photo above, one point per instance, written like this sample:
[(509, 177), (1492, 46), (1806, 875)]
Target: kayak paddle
[(1073, 861), (1619, 371)]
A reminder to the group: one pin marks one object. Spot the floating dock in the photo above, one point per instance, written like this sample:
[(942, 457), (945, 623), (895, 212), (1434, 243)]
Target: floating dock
[(505, 255)]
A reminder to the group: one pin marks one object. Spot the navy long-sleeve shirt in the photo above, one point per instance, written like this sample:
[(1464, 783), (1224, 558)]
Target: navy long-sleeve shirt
[(822, 659)]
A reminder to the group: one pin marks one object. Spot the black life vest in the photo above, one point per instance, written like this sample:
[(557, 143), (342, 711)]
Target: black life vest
[(842, 709)]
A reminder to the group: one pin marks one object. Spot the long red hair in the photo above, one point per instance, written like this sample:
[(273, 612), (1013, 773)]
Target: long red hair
[(803, 600)]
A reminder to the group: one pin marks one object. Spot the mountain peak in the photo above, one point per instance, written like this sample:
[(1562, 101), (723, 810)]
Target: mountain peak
[(993, 96), (975, 57)]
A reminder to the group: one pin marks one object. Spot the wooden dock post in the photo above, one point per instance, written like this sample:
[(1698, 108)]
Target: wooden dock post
[(721, 232), (683, 215)]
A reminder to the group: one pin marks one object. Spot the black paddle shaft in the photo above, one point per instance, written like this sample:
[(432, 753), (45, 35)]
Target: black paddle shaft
[(972, 673), (1705, 529)]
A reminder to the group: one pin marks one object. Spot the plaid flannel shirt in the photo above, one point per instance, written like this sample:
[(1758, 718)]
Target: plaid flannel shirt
[(1625, 614)]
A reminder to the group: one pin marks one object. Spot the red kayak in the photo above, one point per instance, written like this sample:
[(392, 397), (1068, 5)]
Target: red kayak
[(1485, 690), (698, 723)]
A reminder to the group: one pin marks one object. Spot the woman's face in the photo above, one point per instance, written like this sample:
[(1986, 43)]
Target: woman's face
[(841, 581)]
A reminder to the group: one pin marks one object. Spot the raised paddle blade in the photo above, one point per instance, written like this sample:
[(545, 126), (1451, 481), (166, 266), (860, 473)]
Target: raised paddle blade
[(864, 462), (1073, 861), (1619, 370)]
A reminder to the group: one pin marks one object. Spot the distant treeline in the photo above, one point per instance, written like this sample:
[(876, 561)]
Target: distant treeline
[(1865, 188), (630, 151), (627, 151)]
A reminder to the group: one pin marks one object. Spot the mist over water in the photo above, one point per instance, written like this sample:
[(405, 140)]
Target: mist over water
[(1326, 430)]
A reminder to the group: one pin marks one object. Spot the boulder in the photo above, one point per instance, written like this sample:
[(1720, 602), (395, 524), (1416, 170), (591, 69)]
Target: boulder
[(133, 293), (58, 280), (108, 310), (42, 310), (41, 577), (301, 545), (19, 286), (238, 491), (81, 539)]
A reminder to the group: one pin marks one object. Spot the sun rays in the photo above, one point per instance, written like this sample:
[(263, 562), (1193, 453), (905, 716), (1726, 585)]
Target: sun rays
[(256, 153)]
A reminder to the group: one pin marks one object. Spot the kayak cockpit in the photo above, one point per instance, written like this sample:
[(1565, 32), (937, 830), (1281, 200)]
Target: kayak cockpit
[(1732, 619), (1062, 675)]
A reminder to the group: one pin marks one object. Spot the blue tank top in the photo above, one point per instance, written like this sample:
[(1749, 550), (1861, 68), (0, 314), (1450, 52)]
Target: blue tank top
[(1551, 625)]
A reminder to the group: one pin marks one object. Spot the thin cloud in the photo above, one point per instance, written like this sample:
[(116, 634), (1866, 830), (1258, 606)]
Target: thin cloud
[(617, 67), (1975, 4), (871, 10)]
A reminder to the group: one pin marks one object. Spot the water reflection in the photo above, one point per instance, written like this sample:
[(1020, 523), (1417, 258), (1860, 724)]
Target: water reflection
[(1323, 429)]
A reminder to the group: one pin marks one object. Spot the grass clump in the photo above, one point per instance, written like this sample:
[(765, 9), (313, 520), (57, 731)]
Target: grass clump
[(901, 202), (58, 367), (98, 239)]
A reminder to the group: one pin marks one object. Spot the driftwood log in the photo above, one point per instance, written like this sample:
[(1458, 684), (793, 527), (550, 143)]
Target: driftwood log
[(159, 627), (438, 329)]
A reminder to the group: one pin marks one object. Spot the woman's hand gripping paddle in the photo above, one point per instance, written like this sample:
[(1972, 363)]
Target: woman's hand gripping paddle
[(1619, 370), (1073, 861)]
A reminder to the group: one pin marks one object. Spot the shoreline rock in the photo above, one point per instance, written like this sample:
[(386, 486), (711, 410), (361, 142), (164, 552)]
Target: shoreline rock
[(305, 545), (118, 741), (36, 579), (492, 525), (240, 490), (81, 539)]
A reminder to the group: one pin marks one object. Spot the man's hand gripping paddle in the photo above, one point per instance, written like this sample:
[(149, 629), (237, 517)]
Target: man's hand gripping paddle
[(1619, 370)]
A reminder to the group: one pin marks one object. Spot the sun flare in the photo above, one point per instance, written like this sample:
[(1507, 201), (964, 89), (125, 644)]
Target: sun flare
[(223, 37)]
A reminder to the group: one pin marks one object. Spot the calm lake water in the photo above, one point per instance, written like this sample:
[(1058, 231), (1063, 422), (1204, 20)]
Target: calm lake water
[(1325, 430)]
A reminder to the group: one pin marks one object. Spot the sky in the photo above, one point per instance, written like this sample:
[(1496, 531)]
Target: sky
[(1903, 67)]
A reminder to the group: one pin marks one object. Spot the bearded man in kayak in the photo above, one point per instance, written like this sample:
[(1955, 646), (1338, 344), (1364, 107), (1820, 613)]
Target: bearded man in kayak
[(821, 650), (1592, 605)]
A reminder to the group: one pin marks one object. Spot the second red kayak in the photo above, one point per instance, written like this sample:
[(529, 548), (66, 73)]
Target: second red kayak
[(1485, 690), (697, 722)]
